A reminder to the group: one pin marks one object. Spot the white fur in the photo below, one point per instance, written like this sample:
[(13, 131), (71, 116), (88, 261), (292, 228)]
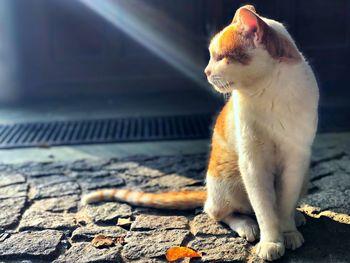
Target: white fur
[(275, 118)]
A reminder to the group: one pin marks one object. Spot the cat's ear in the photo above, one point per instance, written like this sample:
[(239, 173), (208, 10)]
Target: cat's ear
[(249, 22), (249, 7)]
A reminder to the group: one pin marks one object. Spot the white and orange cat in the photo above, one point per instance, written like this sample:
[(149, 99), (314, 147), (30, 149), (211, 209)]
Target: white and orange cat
[(262, 138)]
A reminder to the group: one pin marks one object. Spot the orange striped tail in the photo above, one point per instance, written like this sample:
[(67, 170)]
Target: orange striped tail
[(168, 200)]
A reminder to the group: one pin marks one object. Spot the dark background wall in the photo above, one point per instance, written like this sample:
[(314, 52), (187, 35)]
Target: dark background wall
[(67, 48)]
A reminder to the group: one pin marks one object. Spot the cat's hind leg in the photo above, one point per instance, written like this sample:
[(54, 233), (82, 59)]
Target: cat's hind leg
[(226, 202), (245, 226)]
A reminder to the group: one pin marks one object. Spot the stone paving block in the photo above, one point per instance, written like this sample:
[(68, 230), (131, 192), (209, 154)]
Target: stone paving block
[(3, 236), (55, 190), (192, 166), (204, 225), (329, 200), (339, 181), (87, 165), (25, 261), (38, 182), (171, 181), (138, 158), (86, 253), (121, 166), (37, 219), (149, 222), (89, 174), (150, 244), (149, 260), (92, 183), (36, 166), (88, 232), (5, 168), (326, 153), (134, 182), (59, 204), (323, 169), (344, 164), (42, 244), (13, 191), (104, 212), (11, 211), (145, 171), (44, 172), (10, 179), (38, 169), (164, 164), (221, 248)]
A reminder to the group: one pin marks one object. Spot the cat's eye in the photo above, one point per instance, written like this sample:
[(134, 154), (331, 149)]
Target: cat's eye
[(219, 57)]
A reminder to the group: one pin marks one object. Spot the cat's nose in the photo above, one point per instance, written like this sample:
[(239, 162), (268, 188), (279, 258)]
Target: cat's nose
[(207, 71)]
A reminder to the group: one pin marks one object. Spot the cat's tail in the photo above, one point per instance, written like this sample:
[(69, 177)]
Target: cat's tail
[(166, 200)]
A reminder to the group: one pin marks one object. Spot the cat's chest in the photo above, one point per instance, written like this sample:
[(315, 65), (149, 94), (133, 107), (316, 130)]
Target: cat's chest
[(282, 127), (271, 119), (277, 119)]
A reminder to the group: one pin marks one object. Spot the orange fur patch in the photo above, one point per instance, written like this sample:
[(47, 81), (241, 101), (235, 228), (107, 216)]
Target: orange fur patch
[(126, 194), (223, 162), (233, 46), (220, 124)]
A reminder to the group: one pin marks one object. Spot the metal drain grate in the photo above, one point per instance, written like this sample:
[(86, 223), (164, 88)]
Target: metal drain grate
[(43, 134)]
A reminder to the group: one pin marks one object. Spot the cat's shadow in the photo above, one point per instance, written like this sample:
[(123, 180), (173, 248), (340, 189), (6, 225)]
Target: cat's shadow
[(325, 241)]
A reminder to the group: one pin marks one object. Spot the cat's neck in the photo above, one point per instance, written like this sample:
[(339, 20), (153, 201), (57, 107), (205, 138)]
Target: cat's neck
[(259, 87), (282, 79)]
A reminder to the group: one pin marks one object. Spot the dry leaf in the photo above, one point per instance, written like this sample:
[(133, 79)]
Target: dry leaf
[(175, 253), (124, 221), (102, 241)]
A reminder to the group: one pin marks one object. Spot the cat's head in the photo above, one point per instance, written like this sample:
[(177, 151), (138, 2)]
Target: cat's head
[(247, 50)]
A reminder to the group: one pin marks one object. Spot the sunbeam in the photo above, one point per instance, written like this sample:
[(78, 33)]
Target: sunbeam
[(154, 30)]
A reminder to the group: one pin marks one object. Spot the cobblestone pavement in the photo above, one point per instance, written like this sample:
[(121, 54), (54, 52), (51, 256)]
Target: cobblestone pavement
[(41, 219)]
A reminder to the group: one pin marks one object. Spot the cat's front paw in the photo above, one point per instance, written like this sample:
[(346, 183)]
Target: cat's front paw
[(293, 239), (270, 250)]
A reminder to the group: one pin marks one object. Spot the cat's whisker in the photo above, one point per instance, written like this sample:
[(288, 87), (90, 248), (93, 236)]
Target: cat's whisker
[(227, 85), (219, 81)]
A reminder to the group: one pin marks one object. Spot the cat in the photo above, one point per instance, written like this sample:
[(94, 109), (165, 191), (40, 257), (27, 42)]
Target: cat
[(262, 138)]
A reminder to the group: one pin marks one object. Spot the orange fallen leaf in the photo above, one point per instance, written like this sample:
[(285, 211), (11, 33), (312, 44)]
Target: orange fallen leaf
[(102, 241), (175, 253)]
